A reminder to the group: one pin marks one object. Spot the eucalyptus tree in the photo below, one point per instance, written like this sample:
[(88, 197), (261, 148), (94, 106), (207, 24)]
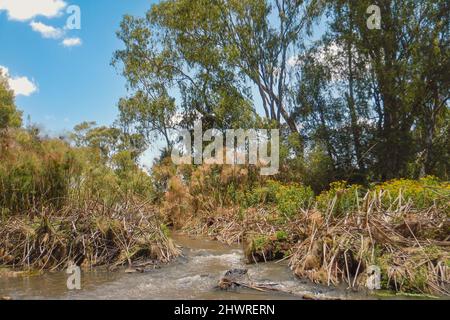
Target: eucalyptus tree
[(111, 142), (406, 84), (397, 87), (377, 102), (214, 55)]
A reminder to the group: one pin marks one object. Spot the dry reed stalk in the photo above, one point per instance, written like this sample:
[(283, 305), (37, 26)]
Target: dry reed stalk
[(401, 243), (90, 235)]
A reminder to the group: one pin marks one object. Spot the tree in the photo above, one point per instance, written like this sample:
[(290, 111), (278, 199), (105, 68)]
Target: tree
[(402, 82), (149, 117), (395, 84), (373, 102), (110, 142), (214, 53), (10, 117)]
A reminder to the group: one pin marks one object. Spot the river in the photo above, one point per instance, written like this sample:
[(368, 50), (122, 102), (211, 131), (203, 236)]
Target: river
[(195, 275)]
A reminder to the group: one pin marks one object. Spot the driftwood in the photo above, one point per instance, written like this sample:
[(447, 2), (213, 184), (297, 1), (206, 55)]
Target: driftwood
[(239, 278)]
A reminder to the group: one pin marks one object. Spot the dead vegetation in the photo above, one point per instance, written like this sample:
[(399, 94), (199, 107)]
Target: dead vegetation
[(411, 247), (90, 235)]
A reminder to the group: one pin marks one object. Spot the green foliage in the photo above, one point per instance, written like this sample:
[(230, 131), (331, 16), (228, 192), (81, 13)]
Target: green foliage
[(257, 196), (10, 117), (35, 173), (422, 193), (263, 248), (281, 235), (288, 199), (318, 170), (260, 242), (340, 199), (165, 230)]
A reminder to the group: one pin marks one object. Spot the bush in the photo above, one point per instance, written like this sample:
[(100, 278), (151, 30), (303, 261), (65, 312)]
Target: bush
[(35, 173), (422, 193), (340, 199), (288, 199)]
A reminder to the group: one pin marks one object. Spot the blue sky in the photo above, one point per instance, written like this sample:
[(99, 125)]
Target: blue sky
[(72, 83)]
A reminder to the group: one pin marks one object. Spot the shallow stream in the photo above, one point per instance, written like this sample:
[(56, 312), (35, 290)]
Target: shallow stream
[(195, 275)]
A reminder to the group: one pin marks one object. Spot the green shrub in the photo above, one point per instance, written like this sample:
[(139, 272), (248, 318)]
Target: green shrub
[(288, 199), (422, 193), (255, 197), (35, 173), (340, 199)]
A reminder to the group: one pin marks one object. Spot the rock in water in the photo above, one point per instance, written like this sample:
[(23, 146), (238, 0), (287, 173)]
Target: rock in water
[(232, 278), (236, 273)]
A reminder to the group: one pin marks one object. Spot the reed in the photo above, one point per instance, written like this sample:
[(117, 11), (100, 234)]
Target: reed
[(90, 235), (410, 246)]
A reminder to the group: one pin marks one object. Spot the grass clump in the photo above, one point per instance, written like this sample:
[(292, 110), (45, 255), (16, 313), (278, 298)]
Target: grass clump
[(91, 235), (340, 248)]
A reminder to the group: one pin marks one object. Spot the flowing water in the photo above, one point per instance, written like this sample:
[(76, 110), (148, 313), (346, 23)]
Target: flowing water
[(195, 275)]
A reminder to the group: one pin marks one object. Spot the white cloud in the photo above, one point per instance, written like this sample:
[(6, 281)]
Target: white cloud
[(22, 86), (46, 31), (26, 10), (331, 52), (335, 56), (23, 10), (72, 42)]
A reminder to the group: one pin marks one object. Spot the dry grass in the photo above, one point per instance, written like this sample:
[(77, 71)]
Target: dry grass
[(92, 235), (409, 246)]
